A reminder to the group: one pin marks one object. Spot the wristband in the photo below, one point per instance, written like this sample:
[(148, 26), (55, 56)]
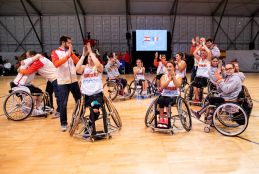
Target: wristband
[(219, 80)]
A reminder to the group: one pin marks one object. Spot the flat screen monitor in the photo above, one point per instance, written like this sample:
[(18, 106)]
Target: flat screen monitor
[(151, 40)]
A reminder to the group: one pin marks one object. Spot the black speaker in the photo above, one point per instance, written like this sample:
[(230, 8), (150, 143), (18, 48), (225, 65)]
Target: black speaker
[(128, 36), (251, 46)]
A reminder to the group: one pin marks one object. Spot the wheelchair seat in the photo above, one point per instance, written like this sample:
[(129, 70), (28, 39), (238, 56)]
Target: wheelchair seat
[(20, 88)]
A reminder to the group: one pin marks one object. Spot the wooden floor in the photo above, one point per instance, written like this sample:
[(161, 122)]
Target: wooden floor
[(36, 145)]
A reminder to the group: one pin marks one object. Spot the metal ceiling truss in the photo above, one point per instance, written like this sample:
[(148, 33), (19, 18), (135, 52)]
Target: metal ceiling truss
[(34, 8), (12, 36), (79, 23), (31, 21), (174, 12), (217, 8), (81, 7)]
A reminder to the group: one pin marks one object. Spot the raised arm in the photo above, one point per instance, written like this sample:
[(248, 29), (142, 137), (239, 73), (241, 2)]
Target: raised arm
[(155, 60), (209, 53), (196, 56), (32, 59), (33, 68), (79, 66), (97, 63), (58, 62)]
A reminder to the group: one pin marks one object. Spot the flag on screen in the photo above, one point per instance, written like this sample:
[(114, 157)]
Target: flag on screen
[(146, 38), (154, 38)]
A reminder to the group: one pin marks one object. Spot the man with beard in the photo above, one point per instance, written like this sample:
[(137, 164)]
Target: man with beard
[(64, 60), (215, 52)]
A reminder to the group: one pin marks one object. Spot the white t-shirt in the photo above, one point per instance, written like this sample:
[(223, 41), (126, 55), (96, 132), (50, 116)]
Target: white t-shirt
[(22, 80), (171, 90), (7, 65), (183, 73), (140, 75), (203, 68)]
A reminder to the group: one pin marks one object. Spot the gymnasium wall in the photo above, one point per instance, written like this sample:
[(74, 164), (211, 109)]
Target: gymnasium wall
[(110, 31)]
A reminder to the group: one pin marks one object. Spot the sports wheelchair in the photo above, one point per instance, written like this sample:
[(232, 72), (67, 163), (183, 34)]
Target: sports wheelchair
[(136, 87), (112, 89), (184, 84), (83, 115), (230, 118), (21, 98), (152, 116), (189, 93), (154, 84)]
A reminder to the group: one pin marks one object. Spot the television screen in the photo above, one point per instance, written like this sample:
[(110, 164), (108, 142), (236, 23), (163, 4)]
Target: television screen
[(151, 40)]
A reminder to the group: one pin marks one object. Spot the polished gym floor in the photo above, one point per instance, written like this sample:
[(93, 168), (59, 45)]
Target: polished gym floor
[(36, 144)]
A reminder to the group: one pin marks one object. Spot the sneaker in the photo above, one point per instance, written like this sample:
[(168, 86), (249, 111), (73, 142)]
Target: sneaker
[(165, 125), (37, 112), (57, 115), (195, 114), (196, 102), (64, 128), (160, 123), (26, 110)]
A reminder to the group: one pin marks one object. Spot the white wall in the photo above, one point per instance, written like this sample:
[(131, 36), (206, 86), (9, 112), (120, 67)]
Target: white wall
[(110, 30)]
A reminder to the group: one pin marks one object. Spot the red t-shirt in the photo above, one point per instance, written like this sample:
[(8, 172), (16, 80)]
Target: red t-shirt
[(126, 57), (119, 57)]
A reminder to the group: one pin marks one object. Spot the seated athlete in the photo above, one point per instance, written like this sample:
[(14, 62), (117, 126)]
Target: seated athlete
[(229, 88), (113, 72), (91, 80), (180, 65), (139, 72), (46, 69), (202, 71), (216, 65), (161, 69), (25, 80), (170, 83)]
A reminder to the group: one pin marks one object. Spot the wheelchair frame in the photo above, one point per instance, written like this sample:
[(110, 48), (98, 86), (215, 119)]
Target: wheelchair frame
[(133, 89), (79, 116), (183, 115), (116, 89), (20, 97), (231, 108)]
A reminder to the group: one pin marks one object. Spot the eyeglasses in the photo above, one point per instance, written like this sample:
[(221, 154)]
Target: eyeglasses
[(228, 69)]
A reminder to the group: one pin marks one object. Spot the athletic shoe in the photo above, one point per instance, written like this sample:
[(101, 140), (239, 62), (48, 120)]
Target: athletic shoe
[(160, 123), (26, 110), (37, 112), (196, 102), (57, 115), (195, 114), (64, 128), (165, 125)]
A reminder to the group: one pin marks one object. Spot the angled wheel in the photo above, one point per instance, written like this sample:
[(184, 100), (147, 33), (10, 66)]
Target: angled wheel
[(18, 105), (77, 112), (184, 114), (184, 85), (205, 101), (230, 119), (150, 88), (211, 87), (112, 111), (110, 89), (132, 87), (189, 93), (151, 113)]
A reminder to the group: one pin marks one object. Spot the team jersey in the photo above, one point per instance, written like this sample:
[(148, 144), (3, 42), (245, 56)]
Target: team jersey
[(22, 80), (91, 81), (171, 90), (203, 68), (140, 75), (183, 73)]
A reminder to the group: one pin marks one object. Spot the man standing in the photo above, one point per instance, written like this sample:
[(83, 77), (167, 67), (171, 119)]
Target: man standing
[(215, 52), (1, 65), (64, 60), (127, 60)]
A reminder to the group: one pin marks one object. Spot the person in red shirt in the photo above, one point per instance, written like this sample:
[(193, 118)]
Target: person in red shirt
[(119, 57), (127, 61)]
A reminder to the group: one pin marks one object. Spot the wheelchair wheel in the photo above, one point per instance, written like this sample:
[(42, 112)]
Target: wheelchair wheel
[(211, 87), (205, 102), (77, 112), (151, 88), (132, 87), (46, 106), (230, 119), (18, 105), (183, 85), (110, 89), (151, 113), (187, 95), (184, 114), (154, 84), (112, 111)]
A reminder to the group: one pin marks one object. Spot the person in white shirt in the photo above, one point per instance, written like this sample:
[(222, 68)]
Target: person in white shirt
[(7, 66), (139, 72)]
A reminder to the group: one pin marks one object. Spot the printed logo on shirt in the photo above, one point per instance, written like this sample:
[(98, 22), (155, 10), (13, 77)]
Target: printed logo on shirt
[(91, 75), (139, 73), (92, 81), (171, 88), (170, 93), (203, 65)]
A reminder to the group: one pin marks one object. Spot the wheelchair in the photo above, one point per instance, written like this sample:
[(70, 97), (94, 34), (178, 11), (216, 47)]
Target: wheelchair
[(184, 85), (154, 84), (136, 88), (112, 89), (189, 93), (21, 98), (152, 116), (83, 115), (230, 118)]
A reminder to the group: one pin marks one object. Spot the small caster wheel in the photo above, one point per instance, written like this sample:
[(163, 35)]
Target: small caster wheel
[(206, 129), (92, 139), (172, 133), (153, 130), (45, 116), (51, 112), (110, 137)]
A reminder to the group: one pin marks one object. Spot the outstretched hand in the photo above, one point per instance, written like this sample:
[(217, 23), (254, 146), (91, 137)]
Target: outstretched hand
[(193, 42), (217, 75), (197, 40), (160, 56), (84, 51), (70, 50), (156, 54), (88, 46)]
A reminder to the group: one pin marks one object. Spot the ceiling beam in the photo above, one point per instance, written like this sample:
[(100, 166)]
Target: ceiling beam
[(34, 8), (172, 9), (255, 12), (81, 7), (217, 8)]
